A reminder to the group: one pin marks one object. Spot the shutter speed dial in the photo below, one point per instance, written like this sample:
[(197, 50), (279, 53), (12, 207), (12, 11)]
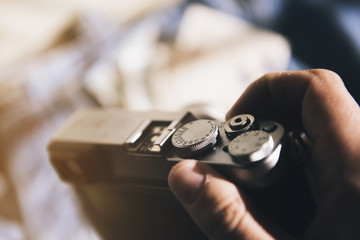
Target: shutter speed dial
[(195, 137), (251, 146)]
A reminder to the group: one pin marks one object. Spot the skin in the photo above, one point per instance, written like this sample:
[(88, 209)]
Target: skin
[(315, 101)]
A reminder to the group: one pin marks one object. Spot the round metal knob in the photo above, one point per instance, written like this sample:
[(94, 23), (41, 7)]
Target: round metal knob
[(238, 124), (195, 137), (251, 146)]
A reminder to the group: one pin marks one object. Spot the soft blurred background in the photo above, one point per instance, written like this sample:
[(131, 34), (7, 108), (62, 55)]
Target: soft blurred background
[(57, 56)]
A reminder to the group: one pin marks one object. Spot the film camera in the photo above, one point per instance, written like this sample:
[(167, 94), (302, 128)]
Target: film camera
[(118, 163)]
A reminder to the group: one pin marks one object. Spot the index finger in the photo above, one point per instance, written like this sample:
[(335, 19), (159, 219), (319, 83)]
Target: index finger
[(315, 100)]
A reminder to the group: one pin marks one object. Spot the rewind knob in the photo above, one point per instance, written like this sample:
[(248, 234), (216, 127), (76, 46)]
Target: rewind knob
[(195, 138)]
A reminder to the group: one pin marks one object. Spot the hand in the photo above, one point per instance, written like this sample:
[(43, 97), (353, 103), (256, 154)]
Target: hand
[(315, 101)]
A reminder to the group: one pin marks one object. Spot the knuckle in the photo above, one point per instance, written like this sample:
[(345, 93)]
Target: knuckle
[(324, 77), (225, 219), (271, 75)]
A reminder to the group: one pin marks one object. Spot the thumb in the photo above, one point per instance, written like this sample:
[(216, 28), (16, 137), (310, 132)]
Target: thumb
[(214, 203)]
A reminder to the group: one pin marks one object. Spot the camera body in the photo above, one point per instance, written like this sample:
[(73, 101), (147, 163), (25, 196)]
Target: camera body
[(113, 145), (118, 162)]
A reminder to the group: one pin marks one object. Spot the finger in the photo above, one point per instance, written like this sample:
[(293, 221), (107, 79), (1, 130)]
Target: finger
[(214, 203), (314, 100), (318, 102), (265, 97), (299, 98)]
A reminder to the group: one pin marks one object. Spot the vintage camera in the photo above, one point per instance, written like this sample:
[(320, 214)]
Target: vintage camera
[(118, 163)]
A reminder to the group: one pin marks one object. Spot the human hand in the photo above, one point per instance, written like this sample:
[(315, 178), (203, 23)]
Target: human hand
[(315, 101)]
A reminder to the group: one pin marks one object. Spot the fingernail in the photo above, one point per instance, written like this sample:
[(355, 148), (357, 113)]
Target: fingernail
[(186, 180), (229, 114)]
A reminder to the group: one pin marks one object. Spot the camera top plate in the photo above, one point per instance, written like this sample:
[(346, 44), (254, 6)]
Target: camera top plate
[(134, 148), (249, 173)]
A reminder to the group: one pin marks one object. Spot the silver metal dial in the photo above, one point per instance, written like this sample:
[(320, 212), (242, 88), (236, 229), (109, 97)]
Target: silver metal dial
[(251, 146), (238, 124), (195, 137)]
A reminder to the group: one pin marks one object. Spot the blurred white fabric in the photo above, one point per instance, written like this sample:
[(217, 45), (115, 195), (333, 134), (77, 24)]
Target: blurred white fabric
[(59, 56)]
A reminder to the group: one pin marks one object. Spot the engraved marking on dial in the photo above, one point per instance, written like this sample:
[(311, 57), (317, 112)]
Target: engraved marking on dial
[(195, 136), (251, 146)]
